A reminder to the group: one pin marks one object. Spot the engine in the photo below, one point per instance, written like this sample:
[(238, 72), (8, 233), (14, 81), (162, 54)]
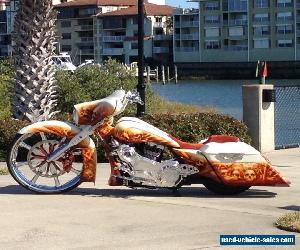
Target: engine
[(149, 169)]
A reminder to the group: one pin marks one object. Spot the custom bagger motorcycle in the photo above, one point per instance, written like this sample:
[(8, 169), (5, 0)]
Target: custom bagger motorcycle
[(56, 156)]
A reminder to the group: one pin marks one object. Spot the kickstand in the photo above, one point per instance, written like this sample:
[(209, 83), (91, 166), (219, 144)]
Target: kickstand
[(175, 192)]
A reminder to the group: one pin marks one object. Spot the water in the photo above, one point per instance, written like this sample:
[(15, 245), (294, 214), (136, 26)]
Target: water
[(224, 95)]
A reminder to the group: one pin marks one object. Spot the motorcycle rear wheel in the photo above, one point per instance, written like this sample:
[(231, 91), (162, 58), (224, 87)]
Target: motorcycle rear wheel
[(221, 189), (27, 164)]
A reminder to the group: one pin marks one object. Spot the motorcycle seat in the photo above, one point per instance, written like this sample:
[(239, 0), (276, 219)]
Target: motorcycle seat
[(222, 139), (187, 145)]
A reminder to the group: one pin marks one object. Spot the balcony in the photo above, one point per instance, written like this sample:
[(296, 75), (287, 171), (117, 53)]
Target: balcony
[(238, 22), (298, 32), (87, 39), (113, 38), (113, 51), (284, 19), (188, 24), (87, 52), (160, 50), (162, 37), (261, 21), (186, 49), (159, 25), (194, 36), (83, 27), (236, 47)]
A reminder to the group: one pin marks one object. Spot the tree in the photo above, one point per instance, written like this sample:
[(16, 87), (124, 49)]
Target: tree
[(34, 39)]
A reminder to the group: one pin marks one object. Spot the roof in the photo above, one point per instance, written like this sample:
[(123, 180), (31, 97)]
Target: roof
[(98, 3), (150, 10)]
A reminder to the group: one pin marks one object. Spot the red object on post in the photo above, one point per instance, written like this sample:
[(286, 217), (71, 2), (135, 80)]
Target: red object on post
[(265, 71)]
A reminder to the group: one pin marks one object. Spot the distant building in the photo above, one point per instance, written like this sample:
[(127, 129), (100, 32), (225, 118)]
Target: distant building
[(238, 31), (98, 29), (7, 17), (117, 34)]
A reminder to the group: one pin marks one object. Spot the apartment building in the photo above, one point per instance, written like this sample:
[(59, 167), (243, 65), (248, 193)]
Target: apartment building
[(7, 17), (117, 34), (238, 31), (76, 27), (98, 29)]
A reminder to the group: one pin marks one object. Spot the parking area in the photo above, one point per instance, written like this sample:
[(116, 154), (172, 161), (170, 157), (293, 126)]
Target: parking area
[(103, 217)]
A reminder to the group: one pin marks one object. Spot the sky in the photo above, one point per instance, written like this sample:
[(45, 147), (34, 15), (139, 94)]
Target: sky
[(181, 3)]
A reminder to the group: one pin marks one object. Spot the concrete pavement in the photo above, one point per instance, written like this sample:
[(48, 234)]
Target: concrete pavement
[(102, 217)]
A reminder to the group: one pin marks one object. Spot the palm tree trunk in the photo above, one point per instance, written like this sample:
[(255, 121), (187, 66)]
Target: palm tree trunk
[(33, 47)]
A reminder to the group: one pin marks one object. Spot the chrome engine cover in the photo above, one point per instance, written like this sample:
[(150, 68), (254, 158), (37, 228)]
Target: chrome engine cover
[(148, 172)]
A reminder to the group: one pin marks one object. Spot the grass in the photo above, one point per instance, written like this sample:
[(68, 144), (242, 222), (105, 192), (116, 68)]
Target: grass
[(289, 222), (160, 105)]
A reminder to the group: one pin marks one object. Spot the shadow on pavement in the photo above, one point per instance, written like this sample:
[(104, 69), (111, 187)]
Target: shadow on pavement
[(291, 207), (196, 192)]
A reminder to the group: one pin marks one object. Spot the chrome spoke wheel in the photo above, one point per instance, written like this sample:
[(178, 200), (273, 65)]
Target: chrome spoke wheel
[(28, 163)]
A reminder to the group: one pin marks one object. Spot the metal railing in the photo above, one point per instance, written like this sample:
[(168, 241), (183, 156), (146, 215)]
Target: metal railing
[(162, 37), (236, 47), (187, 49), (287, 116), (113, 51), (190, 24), (159, 50), (194, 36), (113, 38)]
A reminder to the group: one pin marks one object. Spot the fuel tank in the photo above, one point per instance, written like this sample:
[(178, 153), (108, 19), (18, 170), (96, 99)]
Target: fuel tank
[(134, 130)]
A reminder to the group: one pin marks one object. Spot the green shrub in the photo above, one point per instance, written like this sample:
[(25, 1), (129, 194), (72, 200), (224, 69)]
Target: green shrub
[(197, 126), (187, 127), (6, 74), (8, 129)]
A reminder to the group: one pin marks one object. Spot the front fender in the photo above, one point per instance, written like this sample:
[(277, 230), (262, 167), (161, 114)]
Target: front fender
[(65, 129)]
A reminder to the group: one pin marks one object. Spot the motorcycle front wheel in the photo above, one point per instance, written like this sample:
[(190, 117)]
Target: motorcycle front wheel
[(221, 189), (28, 165)]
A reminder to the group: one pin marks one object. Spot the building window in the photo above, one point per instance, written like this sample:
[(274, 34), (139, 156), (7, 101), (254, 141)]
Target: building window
[(284, 3), (212, 19), (213, 5), (261, 3), (261, 30), (284, 16), (66, 48), (261, 43), (236, 31), (264, 17), (215, 44), (158, 19), (134, 45), (285, 43), (66, 36), (284, 29), (212, 32), (65, 24), (237, 5)]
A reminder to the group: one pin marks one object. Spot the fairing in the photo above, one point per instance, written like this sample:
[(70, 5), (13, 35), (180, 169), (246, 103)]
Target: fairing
[(134, 130), (68, 130)]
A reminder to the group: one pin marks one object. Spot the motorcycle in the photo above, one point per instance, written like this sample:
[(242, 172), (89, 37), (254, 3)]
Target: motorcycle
[(54, 156)]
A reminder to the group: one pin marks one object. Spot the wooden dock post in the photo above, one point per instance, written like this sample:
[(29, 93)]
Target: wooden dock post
[(148, 75), (176, 74), (163, 74), (168, 73), (156, 73)]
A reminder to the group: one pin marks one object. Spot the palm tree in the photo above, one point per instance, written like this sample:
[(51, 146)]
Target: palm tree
[(33, 48)]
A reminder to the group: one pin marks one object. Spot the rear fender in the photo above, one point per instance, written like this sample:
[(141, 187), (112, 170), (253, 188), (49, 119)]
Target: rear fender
[(65, 129)]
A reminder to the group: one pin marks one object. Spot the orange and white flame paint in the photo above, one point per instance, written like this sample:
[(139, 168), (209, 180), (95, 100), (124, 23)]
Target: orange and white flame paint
[(68, 130)]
